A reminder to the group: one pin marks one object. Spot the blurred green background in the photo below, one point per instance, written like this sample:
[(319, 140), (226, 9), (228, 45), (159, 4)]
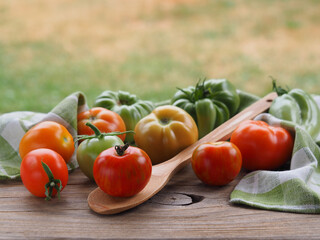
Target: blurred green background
[(50, 49)]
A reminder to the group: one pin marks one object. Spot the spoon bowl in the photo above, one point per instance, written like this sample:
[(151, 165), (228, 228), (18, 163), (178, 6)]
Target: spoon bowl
[(103, 203)]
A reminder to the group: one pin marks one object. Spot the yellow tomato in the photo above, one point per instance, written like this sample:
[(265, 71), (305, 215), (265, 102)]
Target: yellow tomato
[(165, 132)]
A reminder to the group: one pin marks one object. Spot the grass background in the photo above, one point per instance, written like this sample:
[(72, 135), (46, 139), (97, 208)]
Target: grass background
[(50, 49)]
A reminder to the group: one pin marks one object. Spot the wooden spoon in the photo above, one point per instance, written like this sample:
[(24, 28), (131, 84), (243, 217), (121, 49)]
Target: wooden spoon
[(102, 203)]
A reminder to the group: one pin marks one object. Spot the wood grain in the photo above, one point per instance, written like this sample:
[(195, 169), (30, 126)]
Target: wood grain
[(184, 209)]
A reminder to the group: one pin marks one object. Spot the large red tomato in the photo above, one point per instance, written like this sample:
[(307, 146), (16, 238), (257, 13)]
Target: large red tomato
[(105, 120), (48, 134), (263, 147), (216, 163), (35, 177), (122, 171)]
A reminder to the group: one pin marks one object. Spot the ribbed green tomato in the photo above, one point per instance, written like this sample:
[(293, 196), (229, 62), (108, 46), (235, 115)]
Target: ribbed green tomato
[(128, 106), (210, 103)]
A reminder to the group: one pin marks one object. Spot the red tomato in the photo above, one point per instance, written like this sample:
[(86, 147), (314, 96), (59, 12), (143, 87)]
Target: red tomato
[(105, 120), (122, 172), (216, 163), (34, 176), (263, 147), (48, 134)]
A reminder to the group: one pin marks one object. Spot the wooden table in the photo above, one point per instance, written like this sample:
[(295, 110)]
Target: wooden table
[(184, 209)]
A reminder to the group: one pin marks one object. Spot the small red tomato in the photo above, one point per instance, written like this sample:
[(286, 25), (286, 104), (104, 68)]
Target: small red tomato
[(48, 134), (36, 179), (216, 163), (263, 147), (105, 120), (122, 171)]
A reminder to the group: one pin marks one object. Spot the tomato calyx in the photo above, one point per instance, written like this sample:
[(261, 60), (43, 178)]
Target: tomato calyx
[(126, 100), (121, 149), (165, 121), (200, 92), (52, 184), (279, 90), (98, 133)]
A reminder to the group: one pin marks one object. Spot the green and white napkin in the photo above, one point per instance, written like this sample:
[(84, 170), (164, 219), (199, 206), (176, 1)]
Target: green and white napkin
[(294, 190), (15, 124)]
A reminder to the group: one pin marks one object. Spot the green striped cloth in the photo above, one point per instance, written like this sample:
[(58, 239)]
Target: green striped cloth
[(15, 124), (294, 190)]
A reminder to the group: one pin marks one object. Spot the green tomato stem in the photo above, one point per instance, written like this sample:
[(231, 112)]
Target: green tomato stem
[(84, 137), (198, 93), (53, 183), (98, 133), (279, 90), (95, 129)]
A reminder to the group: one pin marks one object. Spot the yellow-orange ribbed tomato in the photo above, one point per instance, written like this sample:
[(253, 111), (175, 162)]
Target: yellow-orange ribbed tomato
[(165, 132)]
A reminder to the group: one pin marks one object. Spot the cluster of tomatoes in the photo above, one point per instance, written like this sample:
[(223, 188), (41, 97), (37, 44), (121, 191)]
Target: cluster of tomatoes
[(45, 151), (117, 168), (254, 145), (122, 170)]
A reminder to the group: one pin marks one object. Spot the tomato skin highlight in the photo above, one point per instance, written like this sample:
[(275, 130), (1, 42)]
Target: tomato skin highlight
[(263, 147), (122, 176), (105, 120), (216, 163), (48, 134), (33, 174)]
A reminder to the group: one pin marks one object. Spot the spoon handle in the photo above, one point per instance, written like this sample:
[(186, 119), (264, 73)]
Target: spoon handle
[(223, 132)]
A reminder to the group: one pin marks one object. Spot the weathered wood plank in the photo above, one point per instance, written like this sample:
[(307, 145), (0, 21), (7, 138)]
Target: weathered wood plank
[(185, 208)]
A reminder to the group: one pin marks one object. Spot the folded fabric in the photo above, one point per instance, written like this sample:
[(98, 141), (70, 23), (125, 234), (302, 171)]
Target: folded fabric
[(294, 190), (14, 125)]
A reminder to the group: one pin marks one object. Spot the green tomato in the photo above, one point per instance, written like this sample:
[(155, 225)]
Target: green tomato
[(210, 103), (299, 107), (127, 105), (89, 149)]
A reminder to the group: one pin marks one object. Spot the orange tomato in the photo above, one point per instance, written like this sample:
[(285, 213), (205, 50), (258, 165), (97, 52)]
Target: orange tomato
[(105, 120), (48, 134)]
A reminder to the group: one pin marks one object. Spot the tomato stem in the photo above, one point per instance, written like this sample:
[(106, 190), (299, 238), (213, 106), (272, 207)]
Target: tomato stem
[(164, 121), (98, 133), (53, 183), (279, 90), (121, 149), (199, 92), (94, 128)]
